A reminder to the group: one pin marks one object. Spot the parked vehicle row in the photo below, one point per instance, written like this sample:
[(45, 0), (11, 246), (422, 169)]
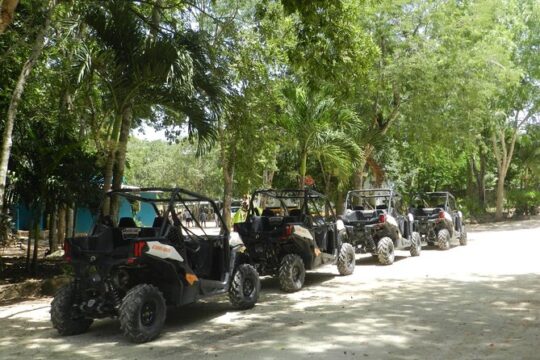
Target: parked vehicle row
[(126, 270)]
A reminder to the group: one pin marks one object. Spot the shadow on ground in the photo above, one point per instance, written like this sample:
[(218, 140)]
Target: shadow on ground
[(398, 319)]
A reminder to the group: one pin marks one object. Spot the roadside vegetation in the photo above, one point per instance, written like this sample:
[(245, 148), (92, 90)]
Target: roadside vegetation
[(420, 95)]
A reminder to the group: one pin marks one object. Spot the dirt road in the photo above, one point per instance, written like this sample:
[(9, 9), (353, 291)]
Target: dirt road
[(481, 301)]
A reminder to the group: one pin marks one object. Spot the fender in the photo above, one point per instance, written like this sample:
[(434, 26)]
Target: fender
[(447, 217), (163, 251), (340, 225), (235, 239), (391, 220)]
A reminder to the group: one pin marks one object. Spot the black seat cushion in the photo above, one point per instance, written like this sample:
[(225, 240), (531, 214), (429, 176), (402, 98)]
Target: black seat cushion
[(127, 222)]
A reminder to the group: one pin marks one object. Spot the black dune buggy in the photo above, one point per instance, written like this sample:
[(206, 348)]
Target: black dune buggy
[(438, 220), (290, 231), (376, 224), (136, 262)]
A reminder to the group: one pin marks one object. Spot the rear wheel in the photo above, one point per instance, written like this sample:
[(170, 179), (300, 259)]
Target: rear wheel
[(65, 317), (142, 313), (416, 244), (291, 273), (463, 236), (346, 259), (443, 239), (245, 287), (385, 250)]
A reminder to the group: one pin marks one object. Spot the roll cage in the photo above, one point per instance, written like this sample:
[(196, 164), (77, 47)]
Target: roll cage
[(303, 201)]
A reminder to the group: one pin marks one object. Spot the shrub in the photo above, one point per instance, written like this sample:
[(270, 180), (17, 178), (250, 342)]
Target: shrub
[(524, 201)]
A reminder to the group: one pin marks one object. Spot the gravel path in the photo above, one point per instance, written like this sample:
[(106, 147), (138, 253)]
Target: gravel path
[(481, 301)]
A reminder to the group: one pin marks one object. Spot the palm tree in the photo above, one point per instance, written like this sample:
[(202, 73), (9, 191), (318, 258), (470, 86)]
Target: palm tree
[(149, 72), (305, 117)]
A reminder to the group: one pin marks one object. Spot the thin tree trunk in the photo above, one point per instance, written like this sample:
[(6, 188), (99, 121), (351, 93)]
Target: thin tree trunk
[(500, 197), (228, 178), (37, 236), (61, 227), (37, 48), (53, 227), (121, 156), (228, 155), (472, 190), (29, 243), (70, 221), (303, 169), (340, 202), (109, 165)]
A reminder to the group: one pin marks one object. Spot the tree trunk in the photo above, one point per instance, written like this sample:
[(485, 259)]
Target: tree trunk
[(37, 236), (121, 156), (53, 227), (228, 147), (37, 48), (70, 221), (109, 165), (7, 12), (303, 169), (500, 198), (471, 183), (61, 227), (339, 203), (29, 244), (377, 171), (359, 173), (268, 177)]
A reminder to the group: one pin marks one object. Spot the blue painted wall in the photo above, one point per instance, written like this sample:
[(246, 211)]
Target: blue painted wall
[(84, 218)]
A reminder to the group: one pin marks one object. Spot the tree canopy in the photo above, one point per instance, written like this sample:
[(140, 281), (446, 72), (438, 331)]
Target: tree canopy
[(415, 94)]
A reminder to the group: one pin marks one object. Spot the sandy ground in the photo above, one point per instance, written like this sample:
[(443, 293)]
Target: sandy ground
[(481, 301)]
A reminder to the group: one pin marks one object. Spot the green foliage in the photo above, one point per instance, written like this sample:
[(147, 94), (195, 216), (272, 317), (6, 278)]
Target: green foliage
[(524, 202), (157, 163), (257, 93)]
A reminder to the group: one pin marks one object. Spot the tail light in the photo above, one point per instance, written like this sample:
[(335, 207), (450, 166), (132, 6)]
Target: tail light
[(288, 231), (138, 247), (382, 218), (441, 214), (67, 251)]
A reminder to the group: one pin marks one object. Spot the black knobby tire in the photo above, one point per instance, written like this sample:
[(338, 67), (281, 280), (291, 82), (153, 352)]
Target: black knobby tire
[(245, 287), (463, 236), (66, 319), (385, 250), (346, 259), (292, 273), (142, 313), (443, 239), (416, 244)]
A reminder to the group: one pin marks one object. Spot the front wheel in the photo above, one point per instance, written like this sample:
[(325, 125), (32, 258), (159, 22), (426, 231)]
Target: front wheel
[(245, 287), (65, 317), (443, 239), (142, 313), (385, 250), (292, 273), (346, 259), (416, 244)]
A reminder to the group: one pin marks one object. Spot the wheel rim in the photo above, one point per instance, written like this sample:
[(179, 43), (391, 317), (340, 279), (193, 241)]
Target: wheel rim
[(351, 259), (296, 274), (148, 313), (248, 287)]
